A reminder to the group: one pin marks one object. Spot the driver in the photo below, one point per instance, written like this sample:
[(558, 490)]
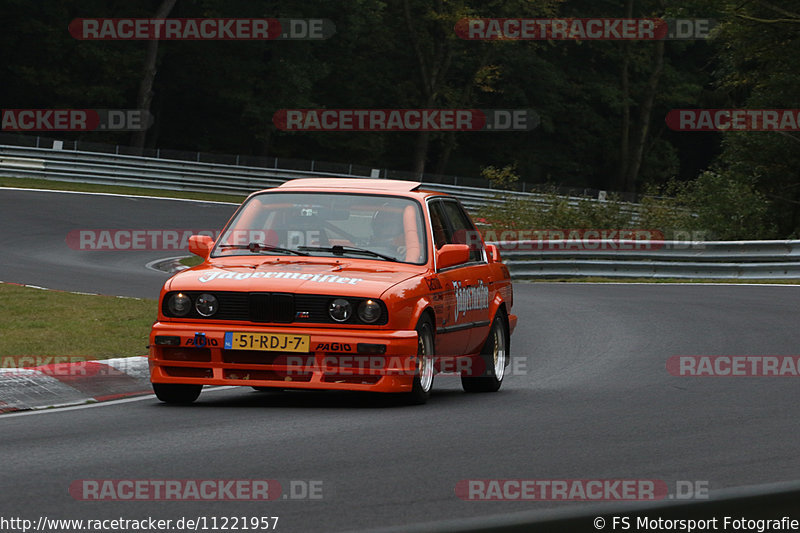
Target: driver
[(387, 232)]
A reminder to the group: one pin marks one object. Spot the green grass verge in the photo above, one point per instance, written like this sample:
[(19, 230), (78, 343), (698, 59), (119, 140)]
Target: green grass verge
[(192, 260), (44, 323), (33, 183)]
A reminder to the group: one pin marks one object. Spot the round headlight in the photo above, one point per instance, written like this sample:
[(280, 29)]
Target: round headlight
[(369, 311), (340, 309), (179, 304), (206, 304)]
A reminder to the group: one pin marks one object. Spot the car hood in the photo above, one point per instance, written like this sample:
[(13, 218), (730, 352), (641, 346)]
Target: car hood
[(299, 277)]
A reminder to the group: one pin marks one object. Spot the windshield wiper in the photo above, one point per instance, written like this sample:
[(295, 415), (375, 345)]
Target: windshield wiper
[(341, 250), (257, 247)]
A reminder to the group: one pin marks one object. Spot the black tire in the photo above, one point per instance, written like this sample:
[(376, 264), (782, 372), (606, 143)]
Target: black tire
[(423, 376), (495, 356), (267, 389), (171, 393)]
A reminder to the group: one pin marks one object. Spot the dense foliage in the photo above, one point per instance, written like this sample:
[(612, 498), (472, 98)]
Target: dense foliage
[(602, 104)]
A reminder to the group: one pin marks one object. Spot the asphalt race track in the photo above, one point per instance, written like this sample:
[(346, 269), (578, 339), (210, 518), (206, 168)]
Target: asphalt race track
[(35, 226), (590, 399)]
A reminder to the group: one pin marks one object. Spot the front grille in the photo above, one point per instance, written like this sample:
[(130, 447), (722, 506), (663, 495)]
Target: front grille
[(271, 307)]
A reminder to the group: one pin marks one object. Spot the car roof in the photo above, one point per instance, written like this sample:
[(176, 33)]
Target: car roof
[(351, 183)]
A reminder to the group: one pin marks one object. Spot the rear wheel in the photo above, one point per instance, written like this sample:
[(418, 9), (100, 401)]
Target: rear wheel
[(423, 375), (172, 393), (494, 357), (267, 389)]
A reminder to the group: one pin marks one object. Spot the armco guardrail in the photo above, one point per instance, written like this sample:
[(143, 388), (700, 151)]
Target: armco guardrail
[(653, 259), (722, 260), (161, 173), (312, 166)]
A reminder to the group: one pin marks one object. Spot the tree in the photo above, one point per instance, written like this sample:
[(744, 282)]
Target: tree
[(759, 56), (439, 53), (145, 97)]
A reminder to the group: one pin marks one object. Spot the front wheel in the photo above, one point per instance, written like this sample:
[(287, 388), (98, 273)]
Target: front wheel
[(423, 374), (172, 393), (494, 357)]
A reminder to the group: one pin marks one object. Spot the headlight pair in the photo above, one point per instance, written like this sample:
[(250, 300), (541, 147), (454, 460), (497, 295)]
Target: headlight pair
[(180, 304), (340, 310)]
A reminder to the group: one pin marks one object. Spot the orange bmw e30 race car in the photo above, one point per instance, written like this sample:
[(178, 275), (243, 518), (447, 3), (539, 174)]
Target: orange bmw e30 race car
[(349, 284)]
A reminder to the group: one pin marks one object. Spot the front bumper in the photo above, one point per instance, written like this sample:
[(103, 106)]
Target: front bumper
[(338, 359)]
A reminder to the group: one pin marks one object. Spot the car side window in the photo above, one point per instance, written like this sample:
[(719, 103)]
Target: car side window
[(438, 226), (462, 230)]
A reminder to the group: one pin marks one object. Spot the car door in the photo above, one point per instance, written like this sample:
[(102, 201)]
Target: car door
[(463, 320)]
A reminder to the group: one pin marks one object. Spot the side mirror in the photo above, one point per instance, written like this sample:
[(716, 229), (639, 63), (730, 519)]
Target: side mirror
[(201, 245), (493, 253), (452, 255)]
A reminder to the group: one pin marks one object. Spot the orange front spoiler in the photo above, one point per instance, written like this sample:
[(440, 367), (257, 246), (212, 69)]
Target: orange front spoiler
[(345, 360)]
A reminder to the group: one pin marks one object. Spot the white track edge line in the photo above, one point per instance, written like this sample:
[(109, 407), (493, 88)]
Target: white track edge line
[(60, 408), (119, 195)]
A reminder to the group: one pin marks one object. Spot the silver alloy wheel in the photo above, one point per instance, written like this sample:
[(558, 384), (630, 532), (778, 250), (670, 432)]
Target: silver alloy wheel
[(425, 360), (499, 353)]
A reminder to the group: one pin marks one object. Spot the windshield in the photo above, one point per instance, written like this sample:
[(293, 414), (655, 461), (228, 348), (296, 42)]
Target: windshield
[(381, 228)]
